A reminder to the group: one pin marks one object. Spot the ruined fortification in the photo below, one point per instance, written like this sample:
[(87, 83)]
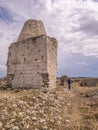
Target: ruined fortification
[(32, 60)]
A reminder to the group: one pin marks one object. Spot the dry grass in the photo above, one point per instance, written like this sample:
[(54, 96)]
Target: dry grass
[(58, 109)]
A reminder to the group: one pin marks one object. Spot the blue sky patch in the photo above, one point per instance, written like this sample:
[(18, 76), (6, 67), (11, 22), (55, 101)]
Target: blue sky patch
[(5, 15)]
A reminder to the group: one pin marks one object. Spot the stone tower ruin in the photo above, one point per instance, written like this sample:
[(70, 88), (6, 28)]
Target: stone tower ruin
[(32, 60)]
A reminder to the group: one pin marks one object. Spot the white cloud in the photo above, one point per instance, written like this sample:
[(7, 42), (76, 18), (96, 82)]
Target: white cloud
[(82, 63), (2, 67)]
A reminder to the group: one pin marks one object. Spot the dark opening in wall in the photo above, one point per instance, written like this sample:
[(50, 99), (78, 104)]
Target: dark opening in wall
[(35, 59), (34, 39), (42, 57), (24, 59), (27, 47), (38, 50), (21, 73), (11, 76), (29, 25), (23, 42), (9, 53)]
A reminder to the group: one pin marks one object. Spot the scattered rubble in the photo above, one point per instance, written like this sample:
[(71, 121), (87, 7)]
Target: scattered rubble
[(33, 109), (3, 83), (45, 109)]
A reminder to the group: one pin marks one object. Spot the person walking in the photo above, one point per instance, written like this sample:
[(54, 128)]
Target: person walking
[(69, 83)]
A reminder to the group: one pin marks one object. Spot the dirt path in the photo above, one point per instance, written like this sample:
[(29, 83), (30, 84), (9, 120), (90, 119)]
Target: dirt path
[(73, 112)]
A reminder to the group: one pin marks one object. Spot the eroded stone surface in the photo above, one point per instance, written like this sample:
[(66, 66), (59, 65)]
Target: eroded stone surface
[(32, 28)]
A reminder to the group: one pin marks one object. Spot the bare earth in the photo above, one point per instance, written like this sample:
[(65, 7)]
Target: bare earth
[(58, 109)]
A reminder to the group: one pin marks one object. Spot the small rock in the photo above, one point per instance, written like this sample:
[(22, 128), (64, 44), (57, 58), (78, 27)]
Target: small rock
[(15, 128), (68, 104), (14, 105), (0, 124), (11, 121), (42, 120), (68, 121), (34, 118)]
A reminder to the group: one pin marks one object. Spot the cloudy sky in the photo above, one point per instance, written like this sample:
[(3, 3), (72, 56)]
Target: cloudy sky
[(73, 22)]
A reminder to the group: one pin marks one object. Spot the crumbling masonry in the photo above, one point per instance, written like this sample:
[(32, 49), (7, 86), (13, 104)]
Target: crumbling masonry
[(32, 60)]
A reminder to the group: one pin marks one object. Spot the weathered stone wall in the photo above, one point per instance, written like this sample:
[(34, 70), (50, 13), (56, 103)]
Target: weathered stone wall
[(89, 82), (52, 60), (32, 63)]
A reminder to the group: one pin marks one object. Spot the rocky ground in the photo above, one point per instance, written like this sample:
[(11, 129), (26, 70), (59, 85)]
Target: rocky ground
[(56, 109)]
